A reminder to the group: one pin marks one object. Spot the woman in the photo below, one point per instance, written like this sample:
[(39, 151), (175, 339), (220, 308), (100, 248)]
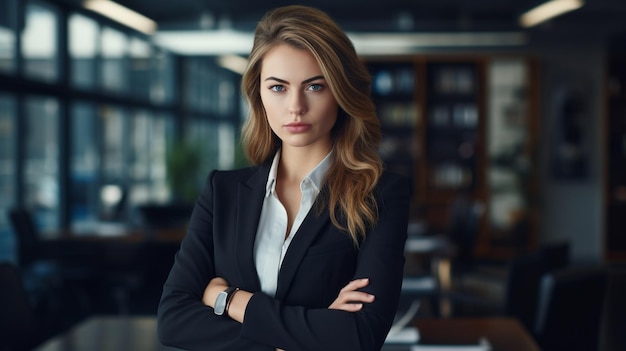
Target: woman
[(304, 250)]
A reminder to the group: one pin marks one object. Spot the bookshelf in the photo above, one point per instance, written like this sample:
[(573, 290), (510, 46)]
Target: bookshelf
[(463, 125)]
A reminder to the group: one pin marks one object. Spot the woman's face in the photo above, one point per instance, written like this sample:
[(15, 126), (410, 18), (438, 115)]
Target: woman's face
[(300, 107)]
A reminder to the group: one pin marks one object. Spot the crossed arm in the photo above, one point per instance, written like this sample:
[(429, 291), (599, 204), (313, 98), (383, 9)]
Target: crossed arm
[(349, 298)]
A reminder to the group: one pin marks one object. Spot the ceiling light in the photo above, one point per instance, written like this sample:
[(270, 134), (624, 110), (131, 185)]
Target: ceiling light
[(548, 10), (223, 42), (122, 15)]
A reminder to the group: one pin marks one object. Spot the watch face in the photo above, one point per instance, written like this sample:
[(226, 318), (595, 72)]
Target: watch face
[(220, 303)]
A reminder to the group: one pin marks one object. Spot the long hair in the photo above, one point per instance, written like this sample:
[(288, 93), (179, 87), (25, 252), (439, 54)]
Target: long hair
[(356, 166)]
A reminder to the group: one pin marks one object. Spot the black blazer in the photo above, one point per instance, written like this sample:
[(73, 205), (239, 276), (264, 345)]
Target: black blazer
[(319, 262)]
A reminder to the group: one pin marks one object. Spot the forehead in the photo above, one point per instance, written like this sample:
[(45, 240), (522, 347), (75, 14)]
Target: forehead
[(284, 61)]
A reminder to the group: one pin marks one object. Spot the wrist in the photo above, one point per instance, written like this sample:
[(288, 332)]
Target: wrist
[(223, 300), (213, 288)]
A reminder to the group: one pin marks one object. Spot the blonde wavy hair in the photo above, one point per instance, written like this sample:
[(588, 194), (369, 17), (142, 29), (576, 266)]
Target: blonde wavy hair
[(356, 166)]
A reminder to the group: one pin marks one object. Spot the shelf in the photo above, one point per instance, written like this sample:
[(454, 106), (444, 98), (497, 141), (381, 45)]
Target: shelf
[(435, 131)]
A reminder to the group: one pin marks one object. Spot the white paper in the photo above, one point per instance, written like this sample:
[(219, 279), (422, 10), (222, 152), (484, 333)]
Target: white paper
[(483, 345), (408, 335)]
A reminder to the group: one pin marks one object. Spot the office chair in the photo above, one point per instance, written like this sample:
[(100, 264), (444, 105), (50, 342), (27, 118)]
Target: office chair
[(512, 293), (18, 323), (462, 230), (554, 255), (522, 288), (571, 302), (27, 236), (40, 274), (46, 278)]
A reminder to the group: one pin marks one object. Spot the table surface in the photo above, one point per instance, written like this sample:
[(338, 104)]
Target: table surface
[(503, 334), (106, 333), (139, 334)]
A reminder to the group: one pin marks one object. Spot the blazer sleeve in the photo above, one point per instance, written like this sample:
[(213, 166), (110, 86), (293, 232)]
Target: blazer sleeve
[(183, 320), (381, 259)]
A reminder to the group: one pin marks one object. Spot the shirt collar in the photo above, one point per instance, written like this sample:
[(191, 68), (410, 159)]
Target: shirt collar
[(316, 176)]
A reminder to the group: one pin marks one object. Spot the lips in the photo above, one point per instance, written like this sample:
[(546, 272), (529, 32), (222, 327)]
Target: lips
[(297, 127)]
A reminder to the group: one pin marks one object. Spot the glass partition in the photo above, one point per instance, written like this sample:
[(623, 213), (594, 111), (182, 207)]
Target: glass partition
[(7, 35), (83, 50), (115, 140), (41, 160), (40, 42), (7, 174), (163, 77), (84, 164), (113, 72), (140, 68)]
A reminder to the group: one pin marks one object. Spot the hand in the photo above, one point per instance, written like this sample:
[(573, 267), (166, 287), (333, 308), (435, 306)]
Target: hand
[(215, 286), (351, 300)]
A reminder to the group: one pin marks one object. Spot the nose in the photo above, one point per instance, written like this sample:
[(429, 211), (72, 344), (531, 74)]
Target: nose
[(297, 104)]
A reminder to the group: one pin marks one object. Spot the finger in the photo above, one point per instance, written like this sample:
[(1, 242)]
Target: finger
[(345, 306), (356, 284), (352, 298), (350, 307), (357, 296)]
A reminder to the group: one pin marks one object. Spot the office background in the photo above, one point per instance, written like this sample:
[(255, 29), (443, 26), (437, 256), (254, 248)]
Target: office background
[(90, 108), (98, 119)]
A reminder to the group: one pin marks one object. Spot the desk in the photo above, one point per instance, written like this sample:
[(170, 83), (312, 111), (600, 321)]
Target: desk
[(139, 334), (106, 333), (504, 334), (118, 272)]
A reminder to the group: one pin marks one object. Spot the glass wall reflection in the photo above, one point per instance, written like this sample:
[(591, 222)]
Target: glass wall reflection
[(7, 170), (84, 35), (85, 163), (41, 160), (39, 42), (7, 36)]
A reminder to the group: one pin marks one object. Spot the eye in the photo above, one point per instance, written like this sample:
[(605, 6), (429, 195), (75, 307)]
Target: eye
[(277, 88), (315, 87)]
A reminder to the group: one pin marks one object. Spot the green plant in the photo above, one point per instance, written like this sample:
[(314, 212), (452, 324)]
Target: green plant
[(183, 165)]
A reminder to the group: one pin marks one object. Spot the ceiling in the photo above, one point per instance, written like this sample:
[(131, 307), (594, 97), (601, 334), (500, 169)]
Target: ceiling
[(372, 15)]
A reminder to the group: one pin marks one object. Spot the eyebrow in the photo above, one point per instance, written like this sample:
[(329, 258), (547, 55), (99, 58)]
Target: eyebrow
[(308, 80)]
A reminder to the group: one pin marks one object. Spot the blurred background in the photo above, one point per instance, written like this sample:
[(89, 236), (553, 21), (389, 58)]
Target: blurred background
[(510, 123)]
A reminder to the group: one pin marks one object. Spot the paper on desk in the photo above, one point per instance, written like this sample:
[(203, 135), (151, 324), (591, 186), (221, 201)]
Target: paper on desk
[(408, 335), (483, 345), (399, 332)]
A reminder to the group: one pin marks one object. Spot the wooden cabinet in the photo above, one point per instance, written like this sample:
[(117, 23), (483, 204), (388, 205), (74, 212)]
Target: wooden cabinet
[(463, 126)]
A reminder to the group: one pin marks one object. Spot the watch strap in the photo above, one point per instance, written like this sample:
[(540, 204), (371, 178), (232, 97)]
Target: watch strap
[(231, 294)]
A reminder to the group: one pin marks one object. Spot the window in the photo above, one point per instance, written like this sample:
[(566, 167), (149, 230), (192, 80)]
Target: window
[(113, 191), (163, 77), (114, 67), (140, 68), (41, 160), (7, 35), (83, 49), (7, 174), (39, 42), (150, 137), (84, 164)]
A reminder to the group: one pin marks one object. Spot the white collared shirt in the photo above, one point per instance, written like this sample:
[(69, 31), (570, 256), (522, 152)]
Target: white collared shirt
[(270, 245)]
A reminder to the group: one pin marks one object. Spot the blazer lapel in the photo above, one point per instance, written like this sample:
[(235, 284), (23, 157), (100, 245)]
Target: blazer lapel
[(310, 228), (250, 193)]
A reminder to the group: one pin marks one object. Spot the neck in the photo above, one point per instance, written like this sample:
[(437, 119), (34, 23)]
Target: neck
[(296, 163)]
